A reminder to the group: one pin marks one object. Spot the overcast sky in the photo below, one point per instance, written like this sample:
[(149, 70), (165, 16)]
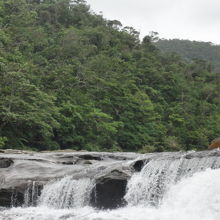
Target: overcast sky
[(183, 19)]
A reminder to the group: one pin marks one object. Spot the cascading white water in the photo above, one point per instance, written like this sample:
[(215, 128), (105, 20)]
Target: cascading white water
[(149, 186), (31, 194), (194, 198), (197, 196), (67, 193), (181, 189)]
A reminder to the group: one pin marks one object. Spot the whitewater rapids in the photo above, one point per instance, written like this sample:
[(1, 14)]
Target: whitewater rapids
[(195, 197)]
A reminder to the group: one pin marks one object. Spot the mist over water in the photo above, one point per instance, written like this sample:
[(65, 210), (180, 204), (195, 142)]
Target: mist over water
[(155, 193)]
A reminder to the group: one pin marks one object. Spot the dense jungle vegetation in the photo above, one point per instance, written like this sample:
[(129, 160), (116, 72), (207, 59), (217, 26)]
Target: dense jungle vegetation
[(71, 79), (190, 50)]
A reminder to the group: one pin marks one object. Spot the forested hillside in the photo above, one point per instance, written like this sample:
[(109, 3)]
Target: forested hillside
[(193, 50), (71, 79)]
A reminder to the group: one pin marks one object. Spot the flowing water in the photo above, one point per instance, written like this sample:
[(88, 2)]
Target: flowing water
[(168, 189)]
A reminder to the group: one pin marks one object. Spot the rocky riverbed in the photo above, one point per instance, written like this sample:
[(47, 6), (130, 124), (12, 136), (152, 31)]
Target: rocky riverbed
[(23, 174)]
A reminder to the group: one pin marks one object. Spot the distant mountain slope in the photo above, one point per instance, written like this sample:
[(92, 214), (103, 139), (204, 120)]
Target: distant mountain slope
[(193, 49)]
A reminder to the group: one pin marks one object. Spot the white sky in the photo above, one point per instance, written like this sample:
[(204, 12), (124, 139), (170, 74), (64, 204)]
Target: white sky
[(184, 19)]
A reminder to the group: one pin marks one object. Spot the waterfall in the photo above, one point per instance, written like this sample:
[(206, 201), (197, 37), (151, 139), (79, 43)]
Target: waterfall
[(31, 194), (199, 194), (67, 193), (167, 188), (196, 198), (149, 186), (146, 187)]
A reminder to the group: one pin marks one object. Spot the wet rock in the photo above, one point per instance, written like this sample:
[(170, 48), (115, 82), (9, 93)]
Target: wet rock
[(202, 154), (5, 162), (5, 197), (110, 190), (18, 171), (90, 157), (138, 165), (11, 197)]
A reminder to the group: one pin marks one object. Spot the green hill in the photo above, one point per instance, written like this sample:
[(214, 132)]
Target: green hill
[(193, 50), (71, 79)]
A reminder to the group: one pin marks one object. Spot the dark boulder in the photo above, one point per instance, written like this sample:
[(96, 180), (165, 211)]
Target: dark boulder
[(90, 157), (138, 165), (5, 162), (110, 190)]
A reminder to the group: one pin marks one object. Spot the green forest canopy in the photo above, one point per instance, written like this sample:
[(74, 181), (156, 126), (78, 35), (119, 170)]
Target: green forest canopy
[(71, 79), (190, 50)]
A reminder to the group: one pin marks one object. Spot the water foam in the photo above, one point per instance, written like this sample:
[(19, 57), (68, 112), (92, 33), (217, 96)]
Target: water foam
[(67, 193)]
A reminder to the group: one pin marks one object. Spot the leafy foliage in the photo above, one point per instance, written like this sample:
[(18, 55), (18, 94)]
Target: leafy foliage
[(71, 79)]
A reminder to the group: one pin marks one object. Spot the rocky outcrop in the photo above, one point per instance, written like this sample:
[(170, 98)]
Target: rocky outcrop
[(110, 190), (5, 162), (23, 174), (20, 170)]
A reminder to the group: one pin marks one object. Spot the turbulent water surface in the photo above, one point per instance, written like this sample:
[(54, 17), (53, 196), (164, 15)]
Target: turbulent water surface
[(163, 190)]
